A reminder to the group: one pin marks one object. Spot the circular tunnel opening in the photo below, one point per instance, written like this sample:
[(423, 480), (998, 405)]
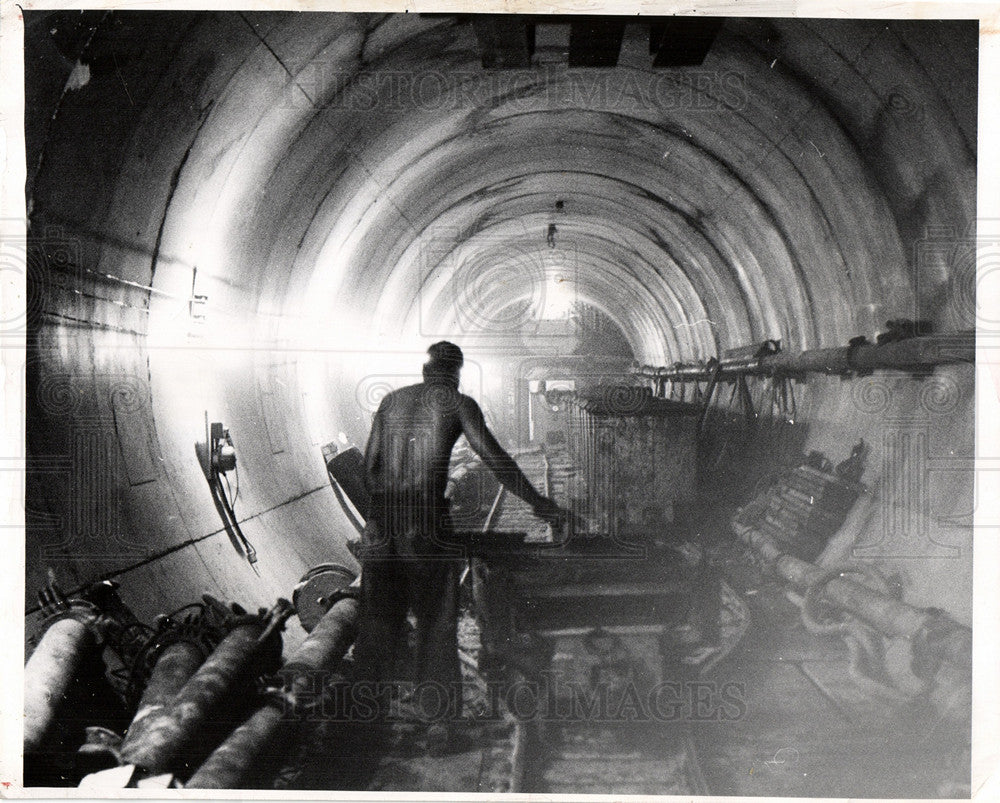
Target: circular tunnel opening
[(262, 220)]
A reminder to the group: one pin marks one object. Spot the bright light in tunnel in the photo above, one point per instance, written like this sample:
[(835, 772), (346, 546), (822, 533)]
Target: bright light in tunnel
[(560, 296), (176, 324), (170, 325)]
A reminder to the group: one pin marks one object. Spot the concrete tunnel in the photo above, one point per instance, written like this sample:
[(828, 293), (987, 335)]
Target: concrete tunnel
[(264, 218)]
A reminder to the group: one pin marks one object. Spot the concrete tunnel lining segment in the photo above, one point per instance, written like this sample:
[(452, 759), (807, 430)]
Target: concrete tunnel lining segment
[(792, 209)]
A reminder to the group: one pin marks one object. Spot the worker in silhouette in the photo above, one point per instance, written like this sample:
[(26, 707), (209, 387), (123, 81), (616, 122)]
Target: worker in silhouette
[(410, 561)]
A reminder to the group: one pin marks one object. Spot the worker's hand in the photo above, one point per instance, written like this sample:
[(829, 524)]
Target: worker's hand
[(557, 517)]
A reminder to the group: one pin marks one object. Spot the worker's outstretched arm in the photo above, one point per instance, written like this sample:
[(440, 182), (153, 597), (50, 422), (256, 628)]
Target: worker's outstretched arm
[(502, 464)]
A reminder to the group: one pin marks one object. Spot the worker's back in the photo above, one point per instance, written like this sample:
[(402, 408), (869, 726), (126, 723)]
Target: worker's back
[(413, 433), (406, 461)]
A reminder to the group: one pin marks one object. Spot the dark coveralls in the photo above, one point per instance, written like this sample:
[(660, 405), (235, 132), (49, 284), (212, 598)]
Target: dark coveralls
[(407, 560)]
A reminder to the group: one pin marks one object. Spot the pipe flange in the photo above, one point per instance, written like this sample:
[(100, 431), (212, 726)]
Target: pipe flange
[(320, 589), (56, 606), (84, 612)]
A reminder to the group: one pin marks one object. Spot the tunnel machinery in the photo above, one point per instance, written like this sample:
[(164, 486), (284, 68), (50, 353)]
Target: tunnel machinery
[(715, 280)]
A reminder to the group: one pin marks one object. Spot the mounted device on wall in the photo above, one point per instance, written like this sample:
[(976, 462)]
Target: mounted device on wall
[(222, 450), (217, 456)]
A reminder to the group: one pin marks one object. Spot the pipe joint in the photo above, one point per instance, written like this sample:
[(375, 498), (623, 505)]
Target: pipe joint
[(85, 609)]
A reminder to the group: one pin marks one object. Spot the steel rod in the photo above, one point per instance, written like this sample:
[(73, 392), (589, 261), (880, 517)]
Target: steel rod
[(909, 354)]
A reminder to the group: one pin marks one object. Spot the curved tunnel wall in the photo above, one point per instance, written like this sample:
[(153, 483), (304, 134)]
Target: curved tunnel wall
[(345, 189)]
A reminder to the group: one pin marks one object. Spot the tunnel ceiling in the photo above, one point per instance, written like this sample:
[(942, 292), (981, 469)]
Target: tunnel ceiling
[(266, 210), (349, 160)]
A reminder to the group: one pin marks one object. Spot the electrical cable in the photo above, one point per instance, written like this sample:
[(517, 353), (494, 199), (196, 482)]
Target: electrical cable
[(251, 553)]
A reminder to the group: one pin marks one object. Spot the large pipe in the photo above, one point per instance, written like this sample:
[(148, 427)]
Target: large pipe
[(948, 641), (49, 672), (329, 640), (230, 764), (174, 667), (233, 760), (910, 354), (891, 616), (166, 734)]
